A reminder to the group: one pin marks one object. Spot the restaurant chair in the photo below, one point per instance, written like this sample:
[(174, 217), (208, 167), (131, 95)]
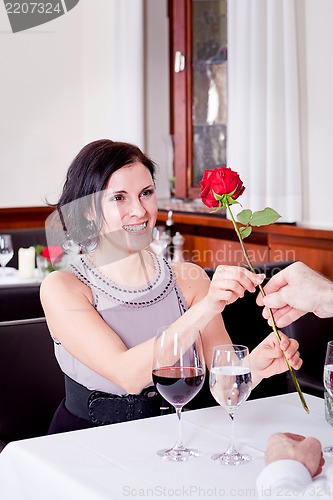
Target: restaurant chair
[(312, 334), (20, 302), (31, 382), (245, 325)]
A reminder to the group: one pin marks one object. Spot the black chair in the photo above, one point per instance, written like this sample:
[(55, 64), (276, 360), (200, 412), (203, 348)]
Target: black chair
[(312, 334), (20, 302), (245, 324), (26, 296), (31, 382)]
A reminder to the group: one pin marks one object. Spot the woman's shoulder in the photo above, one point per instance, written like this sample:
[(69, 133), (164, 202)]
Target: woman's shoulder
[(192, 280), (188, 272), (62, 282)]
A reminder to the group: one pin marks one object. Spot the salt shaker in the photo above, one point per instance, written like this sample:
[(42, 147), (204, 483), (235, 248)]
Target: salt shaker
[(178, 242)]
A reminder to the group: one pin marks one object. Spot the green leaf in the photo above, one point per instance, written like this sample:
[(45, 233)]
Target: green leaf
[(218, 197), (244, 216), (231, 201), (245, 231), (39, 249), (263, 217)]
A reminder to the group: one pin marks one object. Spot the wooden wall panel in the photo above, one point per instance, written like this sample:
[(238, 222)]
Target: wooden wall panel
[(23, 217), (214, 239), (211, 252), (320, 260)]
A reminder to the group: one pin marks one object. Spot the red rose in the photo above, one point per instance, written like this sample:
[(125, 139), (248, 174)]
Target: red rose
[(52, 253), (220, 181)]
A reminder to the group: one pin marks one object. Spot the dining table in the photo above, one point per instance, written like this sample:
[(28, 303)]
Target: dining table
[(10, 276), (119, 461)]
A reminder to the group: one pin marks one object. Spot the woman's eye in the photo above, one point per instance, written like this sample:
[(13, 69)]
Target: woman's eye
[(147, 192), (116, 197)]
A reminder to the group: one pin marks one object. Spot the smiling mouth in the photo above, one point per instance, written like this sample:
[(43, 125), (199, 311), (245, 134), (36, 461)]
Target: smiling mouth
[(136, 228)]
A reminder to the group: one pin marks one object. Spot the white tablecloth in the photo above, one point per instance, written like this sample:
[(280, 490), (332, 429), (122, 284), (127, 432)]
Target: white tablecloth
[(119, 461), (9, 276)]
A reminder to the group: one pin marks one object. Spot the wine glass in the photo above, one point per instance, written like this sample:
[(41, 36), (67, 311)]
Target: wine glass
[(178, 374), (328, 381), (230, 383), (6, 251)]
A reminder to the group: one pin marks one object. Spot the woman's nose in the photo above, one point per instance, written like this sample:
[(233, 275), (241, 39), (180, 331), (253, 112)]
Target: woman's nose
[(137, 208)]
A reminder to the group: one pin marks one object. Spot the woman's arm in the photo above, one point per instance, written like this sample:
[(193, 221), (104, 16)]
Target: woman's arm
[(72, 320)]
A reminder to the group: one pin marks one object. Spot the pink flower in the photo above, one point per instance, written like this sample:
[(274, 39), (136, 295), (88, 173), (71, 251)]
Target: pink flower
[(52, 253)]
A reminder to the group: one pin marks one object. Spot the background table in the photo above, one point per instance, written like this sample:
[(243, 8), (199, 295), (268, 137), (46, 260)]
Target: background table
[(119, 461), (10, 276)]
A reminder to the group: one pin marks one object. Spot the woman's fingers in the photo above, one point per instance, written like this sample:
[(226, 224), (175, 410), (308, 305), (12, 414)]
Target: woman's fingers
[(290, 349), (236, 279)]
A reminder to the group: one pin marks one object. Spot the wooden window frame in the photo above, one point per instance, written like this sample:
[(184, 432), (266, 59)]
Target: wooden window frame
[(181, 129)]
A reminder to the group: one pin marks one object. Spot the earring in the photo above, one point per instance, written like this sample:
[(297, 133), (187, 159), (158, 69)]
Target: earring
[(92, 236), (69, 246), (90, 225)]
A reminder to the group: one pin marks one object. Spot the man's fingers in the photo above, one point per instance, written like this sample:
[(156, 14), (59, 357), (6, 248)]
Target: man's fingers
[(275, 283), (275, 300), (284, 316)]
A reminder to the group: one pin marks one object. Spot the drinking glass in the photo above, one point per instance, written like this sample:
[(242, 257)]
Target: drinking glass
[(6, 251), (230, 383), (328, 381), (178, 374)]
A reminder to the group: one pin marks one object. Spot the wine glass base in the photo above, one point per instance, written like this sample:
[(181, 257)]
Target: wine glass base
[(234, 458), (178, 454), (328, 450)]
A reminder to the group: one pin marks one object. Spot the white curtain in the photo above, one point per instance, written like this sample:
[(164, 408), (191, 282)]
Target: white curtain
[(263, 104), (114, 66)]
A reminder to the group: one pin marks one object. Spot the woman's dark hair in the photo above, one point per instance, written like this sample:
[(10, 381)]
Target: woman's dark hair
[(86, 179)]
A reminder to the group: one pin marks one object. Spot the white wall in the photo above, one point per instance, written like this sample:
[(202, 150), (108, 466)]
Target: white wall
[(41, 95), (60, 86), (64, 84)]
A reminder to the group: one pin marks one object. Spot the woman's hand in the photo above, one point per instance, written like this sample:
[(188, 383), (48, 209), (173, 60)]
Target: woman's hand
[(229, 283), (267, 358)]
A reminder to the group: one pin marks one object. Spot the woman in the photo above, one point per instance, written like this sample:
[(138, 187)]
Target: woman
[(103, 312)]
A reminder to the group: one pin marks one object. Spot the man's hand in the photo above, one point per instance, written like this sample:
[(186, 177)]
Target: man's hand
[(306, 450), (295, 291)]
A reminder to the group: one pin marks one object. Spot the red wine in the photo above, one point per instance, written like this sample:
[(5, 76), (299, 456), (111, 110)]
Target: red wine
[(178, 385)]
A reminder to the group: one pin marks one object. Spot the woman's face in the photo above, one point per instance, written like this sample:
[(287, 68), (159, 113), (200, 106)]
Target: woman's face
[(129, 206)]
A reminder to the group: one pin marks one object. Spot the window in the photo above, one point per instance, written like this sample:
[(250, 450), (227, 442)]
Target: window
[(198, 46)]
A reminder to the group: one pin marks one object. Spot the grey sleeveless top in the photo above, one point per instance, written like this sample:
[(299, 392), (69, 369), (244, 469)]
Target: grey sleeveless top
[(134, 314)]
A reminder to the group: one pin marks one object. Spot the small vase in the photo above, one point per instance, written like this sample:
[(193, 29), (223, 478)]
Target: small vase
[(43, 266)]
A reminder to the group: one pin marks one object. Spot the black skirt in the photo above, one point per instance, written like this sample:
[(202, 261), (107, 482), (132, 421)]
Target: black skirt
[(65, 421), (84, 409)]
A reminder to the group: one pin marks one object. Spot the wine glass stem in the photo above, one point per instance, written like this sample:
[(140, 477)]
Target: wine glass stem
[(231, 448), (179, 443)]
